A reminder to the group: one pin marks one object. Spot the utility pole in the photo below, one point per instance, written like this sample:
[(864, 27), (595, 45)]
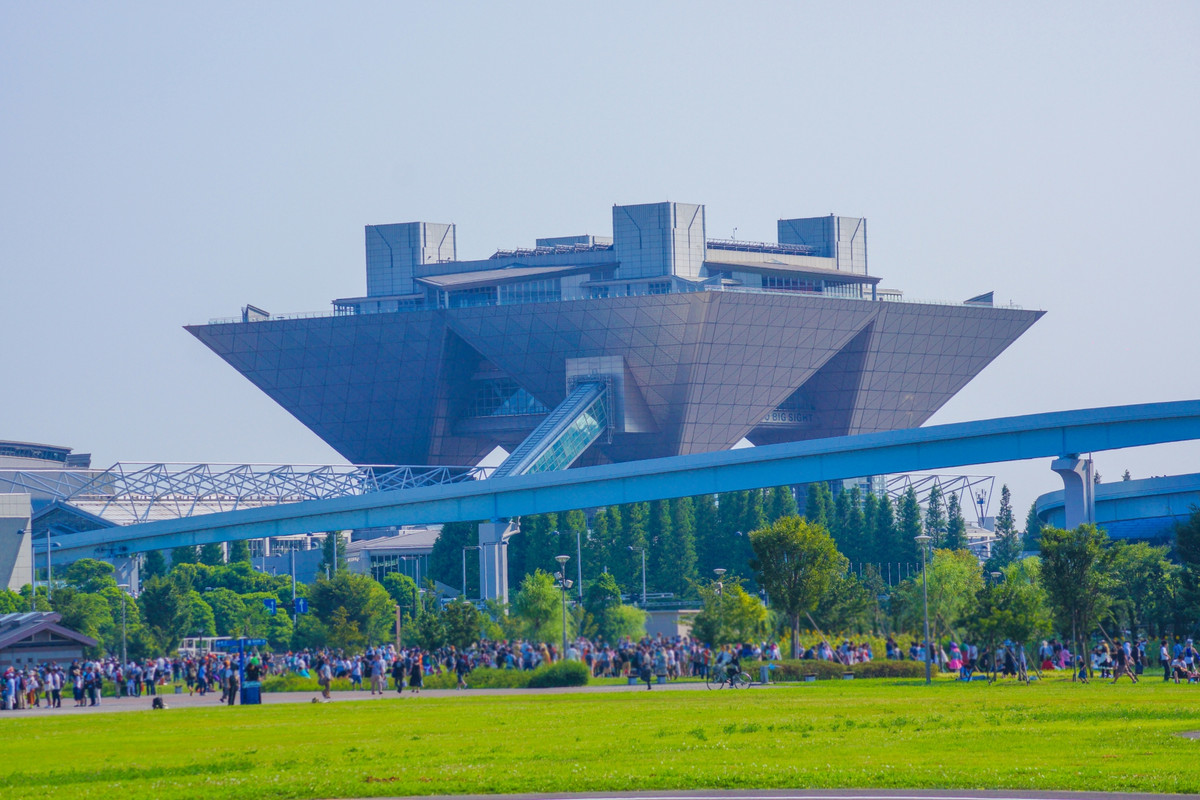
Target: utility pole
[(293, 551), (923, 540)]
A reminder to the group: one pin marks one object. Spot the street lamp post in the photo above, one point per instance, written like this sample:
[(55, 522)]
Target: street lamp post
[(578, 561), (464, 567), (49, 577), (563, 584), (124, 587), (924, 540), (992, 642), (641, 550), (720, 573)]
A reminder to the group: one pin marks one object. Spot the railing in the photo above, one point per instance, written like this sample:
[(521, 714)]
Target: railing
[(595, 294)]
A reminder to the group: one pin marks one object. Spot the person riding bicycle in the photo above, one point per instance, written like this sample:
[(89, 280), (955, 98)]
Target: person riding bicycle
[(733, 665)]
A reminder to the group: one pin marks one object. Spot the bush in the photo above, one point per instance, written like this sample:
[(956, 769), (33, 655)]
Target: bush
[(482, 678), (564, 673), (826, 670), (295, 682), (891, 669)]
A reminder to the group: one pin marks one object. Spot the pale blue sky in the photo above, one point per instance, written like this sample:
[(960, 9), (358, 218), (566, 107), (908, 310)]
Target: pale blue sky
[(163, 164)]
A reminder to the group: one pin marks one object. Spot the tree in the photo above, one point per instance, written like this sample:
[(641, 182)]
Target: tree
[(1143, 577), (613, 619), (781, 503), (624, 622), (229, 612), (729, 614), (166, 611), (818, 504), (463, 623), (404, 592), (154, 564), (954, 582), (184, 555), (1033, 528), (538, 604), (367, 604), (1013, 609), (84, 612), (909, 524), (446, 558), (239, 551), (201, 621), (344, 632), (848, 605), (212, 554), (956, 526), (627, 564), (795, 561), (90, 575), (672, 554), (935, 516), (1187, 547), (885, 536), (1075, 566), (333, 554), (1008, 546), (708, 552)]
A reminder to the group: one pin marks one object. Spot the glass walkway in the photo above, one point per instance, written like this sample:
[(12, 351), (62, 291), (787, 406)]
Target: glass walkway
[(563, 435)]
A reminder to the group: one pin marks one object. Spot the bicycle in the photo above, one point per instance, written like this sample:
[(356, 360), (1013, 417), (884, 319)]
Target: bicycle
[(738, 680)]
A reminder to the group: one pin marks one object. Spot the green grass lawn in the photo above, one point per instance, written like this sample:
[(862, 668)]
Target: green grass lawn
[(1052, 735)]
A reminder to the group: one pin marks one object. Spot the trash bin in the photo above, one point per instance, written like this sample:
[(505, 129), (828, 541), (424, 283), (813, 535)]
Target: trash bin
[(764, 674), (178, 689), (251, 693)]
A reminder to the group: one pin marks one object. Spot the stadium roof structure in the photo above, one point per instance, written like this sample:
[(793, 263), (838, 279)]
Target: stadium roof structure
[(699, 343)]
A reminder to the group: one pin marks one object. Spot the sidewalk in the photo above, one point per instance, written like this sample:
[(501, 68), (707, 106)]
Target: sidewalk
[(210, 700)]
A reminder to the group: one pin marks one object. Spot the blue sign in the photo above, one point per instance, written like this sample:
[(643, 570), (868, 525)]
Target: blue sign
[(237, 644), (301, 605), (271, 603)]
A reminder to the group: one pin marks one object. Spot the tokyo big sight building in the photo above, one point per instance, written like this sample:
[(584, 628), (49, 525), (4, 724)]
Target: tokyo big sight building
[(698, 342)]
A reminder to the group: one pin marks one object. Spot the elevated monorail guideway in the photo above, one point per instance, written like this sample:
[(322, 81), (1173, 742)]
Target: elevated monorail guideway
[(1054, 435)]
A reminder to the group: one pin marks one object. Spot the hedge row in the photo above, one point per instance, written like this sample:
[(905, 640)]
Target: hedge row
[(827, 670)]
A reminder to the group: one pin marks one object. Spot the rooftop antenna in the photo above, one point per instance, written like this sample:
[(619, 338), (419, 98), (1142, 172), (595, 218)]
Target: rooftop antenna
[(733, 236)]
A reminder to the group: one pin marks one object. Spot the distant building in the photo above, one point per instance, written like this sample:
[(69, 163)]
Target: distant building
[(1146, 509), (33, 638), (699, 342)]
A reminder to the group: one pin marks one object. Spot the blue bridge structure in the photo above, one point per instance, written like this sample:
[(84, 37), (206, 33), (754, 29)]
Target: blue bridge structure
[(1066, 436)]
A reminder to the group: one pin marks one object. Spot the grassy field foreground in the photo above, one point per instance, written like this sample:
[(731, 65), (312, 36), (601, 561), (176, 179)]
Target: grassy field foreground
[(1051, 735)]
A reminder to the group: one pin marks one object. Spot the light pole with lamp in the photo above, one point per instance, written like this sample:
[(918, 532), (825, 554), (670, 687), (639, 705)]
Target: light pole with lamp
[(992, 643), (923, 540), (641, 550), (720, 573), (124, 587), (563, 584), (578, 560), (464, 567)]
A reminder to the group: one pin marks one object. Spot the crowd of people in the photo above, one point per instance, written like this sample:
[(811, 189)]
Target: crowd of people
[(387, 668)]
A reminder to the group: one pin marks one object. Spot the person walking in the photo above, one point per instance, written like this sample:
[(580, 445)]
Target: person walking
[(416, 677), (232, 681), (1121, 665), (398, 674)]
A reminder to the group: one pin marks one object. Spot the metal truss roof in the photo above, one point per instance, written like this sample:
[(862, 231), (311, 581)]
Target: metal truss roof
[(133, 492)]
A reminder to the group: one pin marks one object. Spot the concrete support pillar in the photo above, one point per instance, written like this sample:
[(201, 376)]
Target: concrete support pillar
[(1079, 496), (127, 572), (16, 547), (493, 558)]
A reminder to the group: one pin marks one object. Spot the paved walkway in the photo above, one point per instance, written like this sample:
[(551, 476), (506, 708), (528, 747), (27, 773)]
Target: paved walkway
[(114, 704), (831, 794)]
